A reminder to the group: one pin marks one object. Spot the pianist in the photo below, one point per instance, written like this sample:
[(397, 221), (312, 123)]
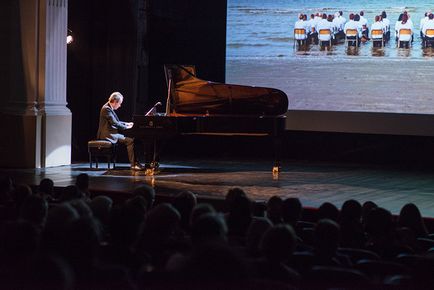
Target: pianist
[(110, 125)]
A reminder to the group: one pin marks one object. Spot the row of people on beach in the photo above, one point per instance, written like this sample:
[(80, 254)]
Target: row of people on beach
[(357, 30)]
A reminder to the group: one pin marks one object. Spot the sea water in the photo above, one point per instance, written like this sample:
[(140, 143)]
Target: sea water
[(264, 28)]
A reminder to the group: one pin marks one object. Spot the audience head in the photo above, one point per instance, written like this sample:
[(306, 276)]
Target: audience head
[(162, 219), (328, 210), (147, 192), (125, 225), (139, 203), (411, 218), (327, 237), (101, 206), (366, 208), (351, 17), (46, 186), (81, 207), (291, 210), (240, 215), (383, 14), (82, 182), (278, 243), (351, 211), (400, 17), (274, 209), (231, 195), (199, 210), (404, 18), (255, 232), (184, 202), (209, 228), (82, 242), (357, 17), (379, 222), (431, 16)]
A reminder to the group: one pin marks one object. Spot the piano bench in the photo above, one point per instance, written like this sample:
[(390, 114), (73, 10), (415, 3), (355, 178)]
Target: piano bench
[(98, 148)]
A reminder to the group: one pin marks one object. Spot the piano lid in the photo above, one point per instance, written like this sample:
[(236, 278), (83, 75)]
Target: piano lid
[(190, 95)]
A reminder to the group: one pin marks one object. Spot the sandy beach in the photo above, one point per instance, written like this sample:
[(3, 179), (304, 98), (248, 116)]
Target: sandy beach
[(345, 83)]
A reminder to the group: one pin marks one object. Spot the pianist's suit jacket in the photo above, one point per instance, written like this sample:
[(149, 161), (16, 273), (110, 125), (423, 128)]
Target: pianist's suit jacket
[(109, 125)]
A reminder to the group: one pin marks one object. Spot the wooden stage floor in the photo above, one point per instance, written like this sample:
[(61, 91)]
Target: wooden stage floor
[(312, 183)]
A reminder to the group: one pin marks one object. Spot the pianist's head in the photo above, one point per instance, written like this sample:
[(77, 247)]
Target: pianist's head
[(116, 100)]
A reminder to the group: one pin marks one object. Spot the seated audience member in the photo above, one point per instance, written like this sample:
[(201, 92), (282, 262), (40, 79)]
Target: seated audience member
[(366, 209), (254, 235), (364, 23), (386, 24), (82, 183), (328, 210), (377, 25), (212, 264), (125, 228), (277, 246), (291, 211), (199, 210), (339, 22), (69, 193), (46, 190), (147, 192), (230, 197), (381, 235), (402, 38), (350, 221), (353, 25), (327, 241), (410, 217), (184, 202), (239, 218), (301, 24), (158, 239), (325, 25), (429, 24), (101, 207), (274, 210)]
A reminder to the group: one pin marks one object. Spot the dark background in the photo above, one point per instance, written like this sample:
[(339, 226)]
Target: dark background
[(122, 45)]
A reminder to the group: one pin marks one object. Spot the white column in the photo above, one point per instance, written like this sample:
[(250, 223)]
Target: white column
[(35, 122), (56, 117)]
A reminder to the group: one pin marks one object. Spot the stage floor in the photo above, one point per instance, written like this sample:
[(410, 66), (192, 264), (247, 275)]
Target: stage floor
[(312, 183)]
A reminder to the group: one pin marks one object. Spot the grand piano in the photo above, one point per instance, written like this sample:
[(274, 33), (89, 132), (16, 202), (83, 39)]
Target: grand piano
[(199, 107)]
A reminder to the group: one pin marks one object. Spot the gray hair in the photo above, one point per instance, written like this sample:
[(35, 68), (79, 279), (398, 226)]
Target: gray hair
[(115, 97)]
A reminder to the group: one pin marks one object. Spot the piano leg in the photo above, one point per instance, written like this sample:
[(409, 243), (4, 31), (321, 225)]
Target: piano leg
[(154, 163), (277, 146), (151, 155)]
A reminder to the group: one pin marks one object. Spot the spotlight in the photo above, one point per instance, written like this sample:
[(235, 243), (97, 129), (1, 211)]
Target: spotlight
[(69, 37)]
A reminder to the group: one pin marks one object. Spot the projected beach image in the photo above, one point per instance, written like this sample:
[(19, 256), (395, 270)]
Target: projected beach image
[(368, 74)]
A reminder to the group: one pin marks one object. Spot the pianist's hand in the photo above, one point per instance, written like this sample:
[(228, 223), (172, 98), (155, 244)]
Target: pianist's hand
[(129, 125)]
